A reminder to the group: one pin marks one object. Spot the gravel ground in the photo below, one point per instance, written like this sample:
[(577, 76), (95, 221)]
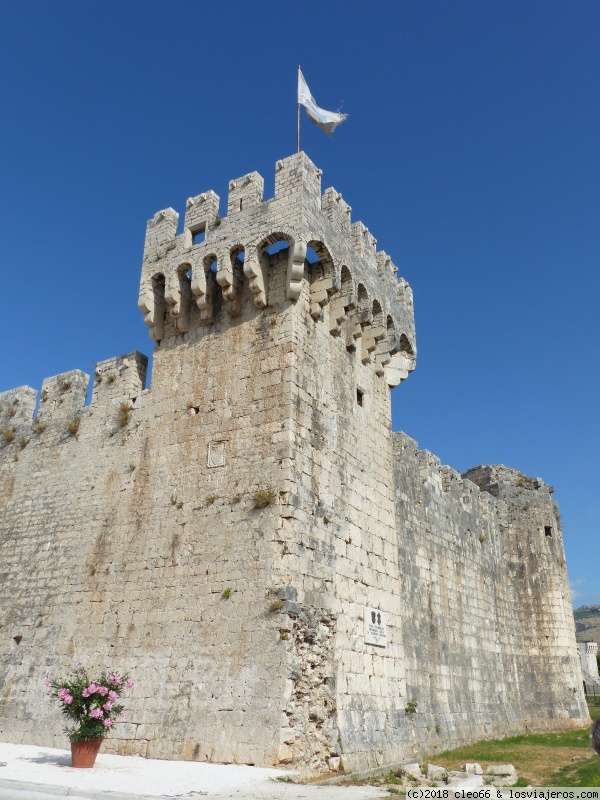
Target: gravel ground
[(29, 772)]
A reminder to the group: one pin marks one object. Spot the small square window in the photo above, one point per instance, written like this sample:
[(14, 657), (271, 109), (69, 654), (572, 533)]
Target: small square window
[(548, 530), (198, 235)]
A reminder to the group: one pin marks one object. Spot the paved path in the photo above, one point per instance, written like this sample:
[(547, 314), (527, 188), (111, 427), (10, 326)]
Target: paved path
[(41, 773)]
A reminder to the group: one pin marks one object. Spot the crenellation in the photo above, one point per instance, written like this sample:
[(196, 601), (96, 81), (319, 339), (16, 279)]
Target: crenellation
[(119, 378), (160, 235), (298, 179), (589, 663), (63, 395), (429, 460), (168, 293), (245, 193), (451, 479), (337, 211), (402, 441), (404, 293), (17, 406), (386, 268), (201, 216), (364, 243)]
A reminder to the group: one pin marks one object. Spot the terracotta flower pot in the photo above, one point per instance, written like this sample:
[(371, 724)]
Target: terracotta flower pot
[(83, 753)]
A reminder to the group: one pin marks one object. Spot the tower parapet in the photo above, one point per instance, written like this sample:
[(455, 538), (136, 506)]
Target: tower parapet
[(352, 284)]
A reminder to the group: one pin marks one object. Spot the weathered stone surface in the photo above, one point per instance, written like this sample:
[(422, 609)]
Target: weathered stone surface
[(467, 782), (412, 771), (220, 534), (503, 770), (501, 775), (472, 768), (436, 773)]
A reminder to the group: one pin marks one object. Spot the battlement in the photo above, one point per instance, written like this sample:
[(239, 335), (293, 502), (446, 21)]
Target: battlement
[(350, 285), (489, 489), (119, 378), (17, 405), (63, 396)]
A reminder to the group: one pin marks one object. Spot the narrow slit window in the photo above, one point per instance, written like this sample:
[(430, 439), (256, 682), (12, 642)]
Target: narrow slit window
[(548, 530), (360, 396)]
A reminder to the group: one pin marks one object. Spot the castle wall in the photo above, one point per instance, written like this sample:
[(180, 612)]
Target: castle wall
[(488, 624), (222, 534), (119, 541)]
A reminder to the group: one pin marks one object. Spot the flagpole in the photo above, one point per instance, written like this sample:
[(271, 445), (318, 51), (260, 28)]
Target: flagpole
[(298, 139)]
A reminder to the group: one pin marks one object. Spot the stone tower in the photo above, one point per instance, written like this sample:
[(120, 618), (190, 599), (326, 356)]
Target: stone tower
[(588, 652), (280, 329), (287, 581)]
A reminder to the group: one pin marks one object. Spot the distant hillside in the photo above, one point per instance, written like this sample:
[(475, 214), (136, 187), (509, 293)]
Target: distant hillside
[(587, 623)]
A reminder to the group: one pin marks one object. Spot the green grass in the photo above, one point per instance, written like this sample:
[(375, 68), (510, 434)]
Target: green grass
[(541, 759), (581, 773)]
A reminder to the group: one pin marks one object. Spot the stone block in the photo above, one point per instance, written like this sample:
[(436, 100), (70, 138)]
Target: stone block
[(504, 770), (412, 771), (437, 774)]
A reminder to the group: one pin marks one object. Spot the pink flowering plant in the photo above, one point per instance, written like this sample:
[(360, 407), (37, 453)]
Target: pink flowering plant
[(92, 705)]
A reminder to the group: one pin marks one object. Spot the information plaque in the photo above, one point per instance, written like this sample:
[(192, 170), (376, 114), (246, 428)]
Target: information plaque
[(375, 627)]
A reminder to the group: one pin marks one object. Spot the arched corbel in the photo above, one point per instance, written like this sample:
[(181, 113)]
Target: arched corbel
[(341, 302), (295, 271), (402, 363), (230, 278), (203, 288), (372, 334), (358, 317), (323, 280), (255, 269), (178, 296), (151, 303)]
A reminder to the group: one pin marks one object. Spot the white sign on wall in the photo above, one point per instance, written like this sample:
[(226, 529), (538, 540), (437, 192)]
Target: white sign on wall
[(375, 627)]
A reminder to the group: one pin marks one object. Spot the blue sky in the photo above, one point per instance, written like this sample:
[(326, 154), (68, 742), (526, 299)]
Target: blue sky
[(471, 152)]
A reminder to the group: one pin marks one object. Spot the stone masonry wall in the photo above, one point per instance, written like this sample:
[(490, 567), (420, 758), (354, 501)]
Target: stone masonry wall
[(488, 624), (339, 551), (121, 543)]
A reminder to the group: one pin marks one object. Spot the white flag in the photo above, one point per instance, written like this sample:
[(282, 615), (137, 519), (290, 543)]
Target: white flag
[(326, 120)]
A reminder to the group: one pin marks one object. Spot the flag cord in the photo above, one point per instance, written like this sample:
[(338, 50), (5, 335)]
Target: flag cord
[(298, 138)]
